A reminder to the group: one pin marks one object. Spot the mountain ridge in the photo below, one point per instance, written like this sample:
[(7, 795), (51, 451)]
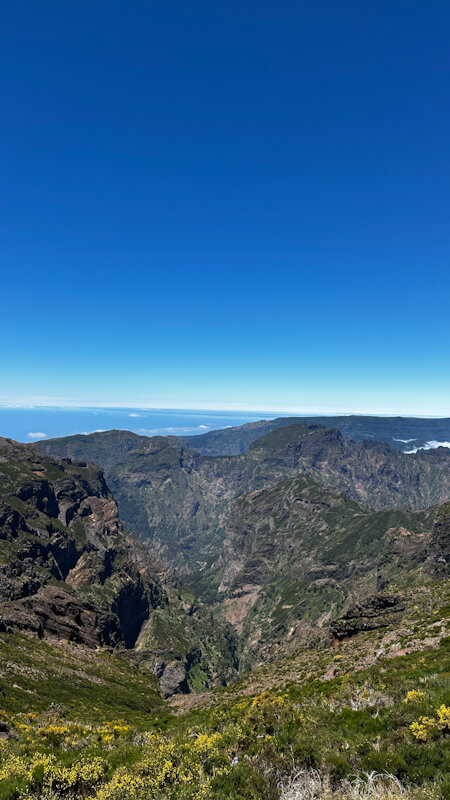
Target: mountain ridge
[(177, 500), (359, 427)]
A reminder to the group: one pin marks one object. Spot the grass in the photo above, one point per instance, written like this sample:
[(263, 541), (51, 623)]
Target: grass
[(348, 737), (90, 686)]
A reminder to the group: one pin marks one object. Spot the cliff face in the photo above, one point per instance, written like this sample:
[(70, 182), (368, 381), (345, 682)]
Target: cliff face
[(68, 569), (178, 500), (175, 499), (68, 566), (439, 547), (299, 555), (370, 472)]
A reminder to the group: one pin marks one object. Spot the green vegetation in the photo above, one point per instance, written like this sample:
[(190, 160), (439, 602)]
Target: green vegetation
[(115, 740), (231, 441), (344, 609), (178, 499)]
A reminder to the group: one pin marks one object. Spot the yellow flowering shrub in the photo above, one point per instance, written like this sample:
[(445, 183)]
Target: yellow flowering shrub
[(429, 726), (167, 764), (424, 728), (413, 695), (43, 770), (81, 776), (444, 718)]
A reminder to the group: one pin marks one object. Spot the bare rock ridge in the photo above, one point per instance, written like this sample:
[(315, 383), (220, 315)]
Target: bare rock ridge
[(376, 611), (439, 548), (60, 525)]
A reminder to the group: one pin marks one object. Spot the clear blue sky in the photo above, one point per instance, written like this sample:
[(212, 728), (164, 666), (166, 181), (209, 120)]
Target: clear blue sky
[(241, 204)]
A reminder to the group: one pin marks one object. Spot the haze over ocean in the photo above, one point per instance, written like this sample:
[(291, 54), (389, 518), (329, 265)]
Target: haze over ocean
[(32, 424)]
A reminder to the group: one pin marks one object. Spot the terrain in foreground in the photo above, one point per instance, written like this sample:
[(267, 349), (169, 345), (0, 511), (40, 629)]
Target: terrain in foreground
[(327, 620)]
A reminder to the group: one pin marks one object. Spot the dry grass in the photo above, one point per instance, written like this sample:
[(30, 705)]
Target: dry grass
[(311, 785)]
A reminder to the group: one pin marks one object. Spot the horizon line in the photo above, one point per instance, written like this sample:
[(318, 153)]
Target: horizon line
[(236, 409)]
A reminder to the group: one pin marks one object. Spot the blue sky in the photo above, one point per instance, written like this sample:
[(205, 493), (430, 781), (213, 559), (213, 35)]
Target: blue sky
[(239, 205)]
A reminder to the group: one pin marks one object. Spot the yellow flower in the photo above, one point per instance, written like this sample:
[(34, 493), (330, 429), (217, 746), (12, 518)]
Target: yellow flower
[(413, 695), (423, 729), (444, 716)]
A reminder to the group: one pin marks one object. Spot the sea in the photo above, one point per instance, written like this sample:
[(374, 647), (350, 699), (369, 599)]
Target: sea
[(37, 423)]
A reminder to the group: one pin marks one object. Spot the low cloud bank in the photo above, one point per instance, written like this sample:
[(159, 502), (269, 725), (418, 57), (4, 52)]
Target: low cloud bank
[(428, 446), (173, 431)]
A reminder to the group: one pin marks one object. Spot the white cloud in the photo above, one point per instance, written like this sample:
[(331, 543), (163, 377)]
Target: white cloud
[(172, 431), (37, 435), (429, 446)]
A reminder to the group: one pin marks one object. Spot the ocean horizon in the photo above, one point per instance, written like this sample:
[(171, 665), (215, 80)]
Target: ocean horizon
[(37, 423)]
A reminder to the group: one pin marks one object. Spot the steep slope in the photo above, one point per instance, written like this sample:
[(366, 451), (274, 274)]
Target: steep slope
[(171, 496), (401, 433), (177, 500), (66, 559), (367, 716), (351, 606), (346, 722), (69, 570), (298, 556), (236, 440), (370, 472)]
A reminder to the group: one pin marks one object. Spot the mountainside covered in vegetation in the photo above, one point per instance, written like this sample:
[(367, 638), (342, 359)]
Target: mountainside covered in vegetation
[(366, 718), (177, 500), (298, 556), (402, 433)]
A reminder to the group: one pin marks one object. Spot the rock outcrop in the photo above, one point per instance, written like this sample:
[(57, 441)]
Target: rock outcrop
[(53, 611), (376, 611), (439, 547)]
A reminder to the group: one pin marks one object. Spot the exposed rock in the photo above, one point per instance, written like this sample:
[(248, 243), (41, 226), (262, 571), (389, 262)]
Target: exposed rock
[(173, 679), (62, 527), (87, 548), (439, 548), (6, 732), (55, 612), (297, 553), (374, 612), (239, 604)]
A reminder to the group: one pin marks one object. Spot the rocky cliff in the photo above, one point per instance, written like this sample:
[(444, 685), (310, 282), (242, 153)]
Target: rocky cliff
[(68, 569)]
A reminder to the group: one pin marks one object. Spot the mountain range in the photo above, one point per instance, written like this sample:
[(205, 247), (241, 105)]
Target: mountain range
[(177, 499), (234, 564), (402, 433)]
